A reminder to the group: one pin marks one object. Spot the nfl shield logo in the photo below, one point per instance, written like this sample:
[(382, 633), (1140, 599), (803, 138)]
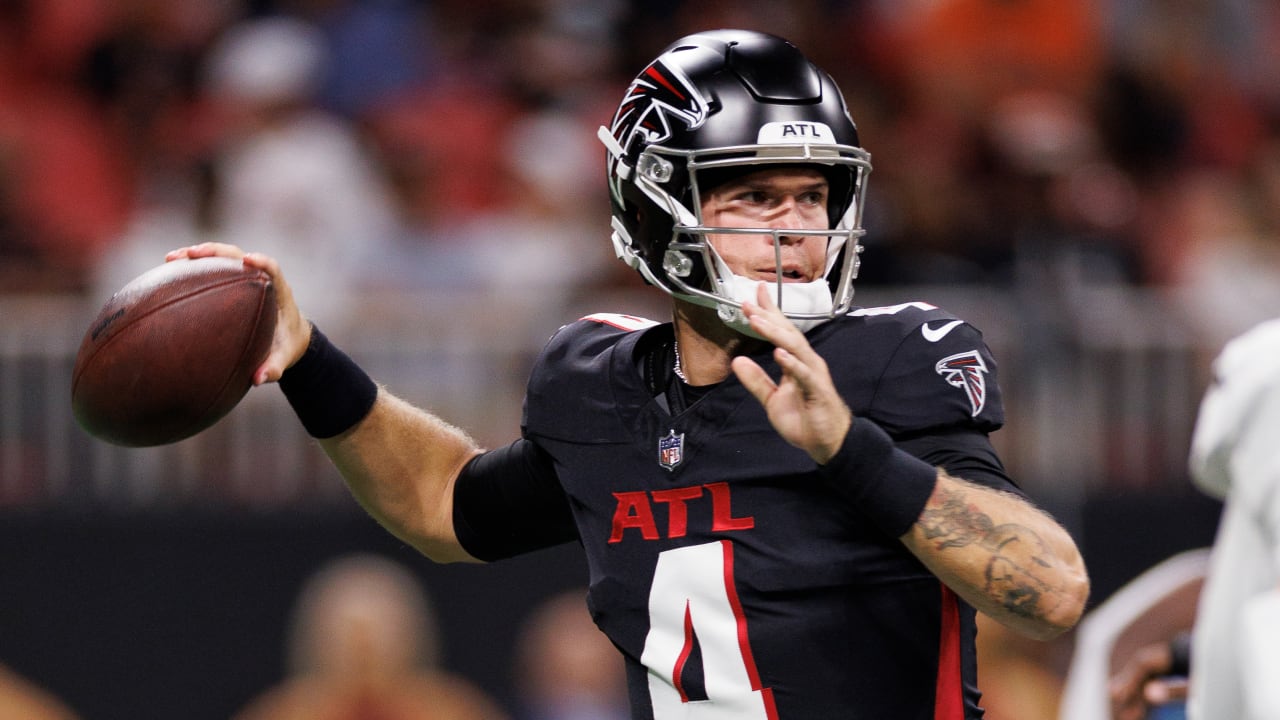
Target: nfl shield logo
[(671, 450)]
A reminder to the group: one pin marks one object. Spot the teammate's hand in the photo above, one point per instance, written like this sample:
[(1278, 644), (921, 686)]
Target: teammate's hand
[(803, 406), (293, 331)]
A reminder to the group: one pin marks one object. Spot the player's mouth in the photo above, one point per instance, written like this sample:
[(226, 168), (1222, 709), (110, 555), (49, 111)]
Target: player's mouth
[(789, 275)]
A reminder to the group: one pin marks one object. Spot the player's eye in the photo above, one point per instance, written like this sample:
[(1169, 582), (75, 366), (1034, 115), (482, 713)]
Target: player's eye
[(752, 197), (814, 197)]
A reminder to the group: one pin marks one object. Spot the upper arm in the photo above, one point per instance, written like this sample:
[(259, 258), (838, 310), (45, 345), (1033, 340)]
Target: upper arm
[(509, 501), (941, 379)]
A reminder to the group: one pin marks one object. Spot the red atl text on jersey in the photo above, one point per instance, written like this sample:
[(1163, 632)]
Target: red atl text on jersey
[(635, 510)]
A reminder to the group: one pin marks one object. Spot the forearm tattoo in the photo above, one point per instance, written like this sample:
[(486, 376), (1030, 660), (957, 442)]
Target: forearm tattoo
[(1017, 555)]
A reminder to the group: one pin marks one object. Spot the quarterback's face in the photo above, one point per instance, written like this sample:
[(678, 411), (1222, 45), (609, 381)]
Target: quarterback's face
[(780, 199)]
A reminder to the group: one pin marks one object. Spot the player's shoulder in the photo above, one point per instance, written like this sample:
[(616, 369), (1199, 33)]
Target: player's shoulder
[(585, 372), (615, 322), (907, 317), (913, 365), (1242, 353), (1245, 370), (588, 344), (595, 332), (890, 328), (905, 312), (1245, 389)]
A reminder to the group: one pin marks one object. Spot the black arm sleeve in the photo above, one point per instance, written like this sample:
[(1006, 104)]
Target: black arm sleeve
[(965, 454), (509, 501)]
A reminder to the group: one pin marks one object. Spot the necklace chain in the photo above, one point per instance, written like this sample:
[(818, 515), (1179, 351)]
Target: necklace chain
[(678, 368)]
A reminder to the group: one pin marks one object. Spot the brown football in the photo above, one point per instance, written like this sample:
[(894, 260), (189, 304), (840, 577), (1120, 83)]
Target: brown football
[(173, 351)]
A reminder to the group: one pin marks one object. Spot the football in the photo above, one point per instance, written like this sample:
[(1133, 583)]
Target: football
[(173, 351)]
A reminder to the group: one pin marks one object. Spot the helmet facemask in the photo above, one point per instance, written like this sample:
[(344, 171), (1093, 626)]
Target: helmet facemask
[(690, 267), (723, 104)]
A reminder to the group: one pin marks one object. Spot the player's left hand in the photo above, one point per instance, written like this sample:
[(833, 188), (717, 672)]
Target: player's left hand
[(803, 404)]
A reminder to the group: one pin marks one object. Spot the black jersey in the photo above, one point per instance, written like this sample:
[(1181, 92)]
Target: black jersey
[(734, 580)]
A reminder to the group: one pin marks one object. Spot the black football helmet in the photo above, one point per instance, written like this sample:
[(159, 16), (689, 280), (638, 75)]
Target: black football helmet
[(720, 104)]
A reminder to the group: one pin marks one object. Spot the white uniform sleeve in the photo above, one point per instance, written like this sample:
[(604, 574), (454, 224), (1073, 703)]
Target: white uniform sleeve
[(1256, 465), (1235, 456), (1260, 656)]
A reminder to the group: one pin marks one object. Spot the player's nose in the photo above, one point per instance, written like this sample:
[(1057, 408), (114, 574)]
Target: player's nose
[(788, 216)]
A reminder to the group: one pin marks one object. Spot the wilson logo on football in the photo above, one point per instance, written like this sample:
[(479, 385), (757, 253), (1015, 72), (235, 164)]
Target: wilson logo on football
[(966, 371)]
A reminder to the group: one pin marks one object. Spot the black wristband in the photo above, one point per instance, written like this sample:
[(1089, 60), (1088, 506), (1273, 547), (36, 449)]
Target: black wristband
[(887, 485), (327, 389)]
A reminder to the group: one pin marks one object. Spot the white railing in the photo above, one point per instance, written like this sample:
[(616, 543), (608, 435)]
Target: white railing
[(1099, 395)]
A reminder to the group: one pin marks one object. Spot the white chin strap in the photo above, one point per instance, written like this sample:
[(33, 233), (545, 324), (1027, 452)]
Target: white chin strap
[(810, 298)]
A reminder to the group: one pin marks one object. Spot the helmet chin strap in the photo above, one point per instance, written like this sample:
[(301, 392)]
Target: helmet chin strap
[(809, 298)]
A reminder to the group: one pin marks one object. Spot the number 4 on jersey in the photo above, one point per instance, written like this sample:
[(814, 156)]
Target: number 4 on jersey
[(693, 604)]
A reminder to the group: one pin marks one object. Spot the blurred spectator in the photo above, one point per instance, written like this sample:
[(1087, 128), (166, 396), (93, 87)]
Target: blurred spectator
[(143, 76), (551, 237), (292, 179), (65, 185), (1228, 279), (287, 178), (993, 107), (487, 161), (560, 55), (1203, 55), (441, 146), (377, 49), (1178, 100), (566, 668), (22, 700), (968, 55), (363, 644)]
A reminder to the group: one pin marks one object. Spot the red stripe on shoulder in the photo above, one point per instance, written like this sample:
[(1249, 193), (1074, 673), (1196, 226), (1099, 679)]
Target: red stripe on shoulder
[(621, 321)]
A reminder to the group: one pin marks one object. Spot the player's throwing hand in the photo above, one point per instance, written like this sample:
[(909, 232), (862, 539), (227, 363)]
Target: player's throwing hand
[(293, 331)]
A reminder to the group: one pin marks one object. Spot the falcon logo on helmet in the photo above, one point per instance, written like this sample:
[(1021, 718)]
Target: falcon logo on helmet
[(966, 371), (658, 97)]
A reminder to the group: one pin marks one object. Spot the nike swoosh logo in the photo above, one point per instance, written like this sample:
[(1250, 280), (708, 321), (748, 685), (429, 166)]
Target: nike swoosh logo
[(933, 335)]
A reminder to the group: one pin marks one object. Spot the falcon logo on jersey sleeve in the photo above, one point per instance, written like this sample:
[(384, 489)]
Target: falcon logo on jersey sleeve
[(966, 371)]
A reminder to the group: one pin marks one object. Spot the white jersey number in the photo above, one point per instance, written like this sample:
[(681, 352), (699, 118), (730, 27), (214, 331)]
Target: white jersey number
[(694, 599)]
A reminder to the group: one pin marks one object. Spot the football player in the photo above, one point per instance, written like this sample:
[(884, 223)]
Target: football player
[(1235, 652), (789, 506), (1232, 658)]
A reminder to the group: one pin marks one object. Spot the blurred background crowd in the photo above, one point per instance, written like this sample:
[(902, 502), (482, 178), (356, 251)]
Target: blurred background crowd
[(421, 142), (1095, 182)]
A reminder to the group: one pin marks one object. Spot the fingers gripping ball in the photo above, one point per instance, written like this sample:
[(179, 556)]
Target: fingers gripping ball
[(173, 351)]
